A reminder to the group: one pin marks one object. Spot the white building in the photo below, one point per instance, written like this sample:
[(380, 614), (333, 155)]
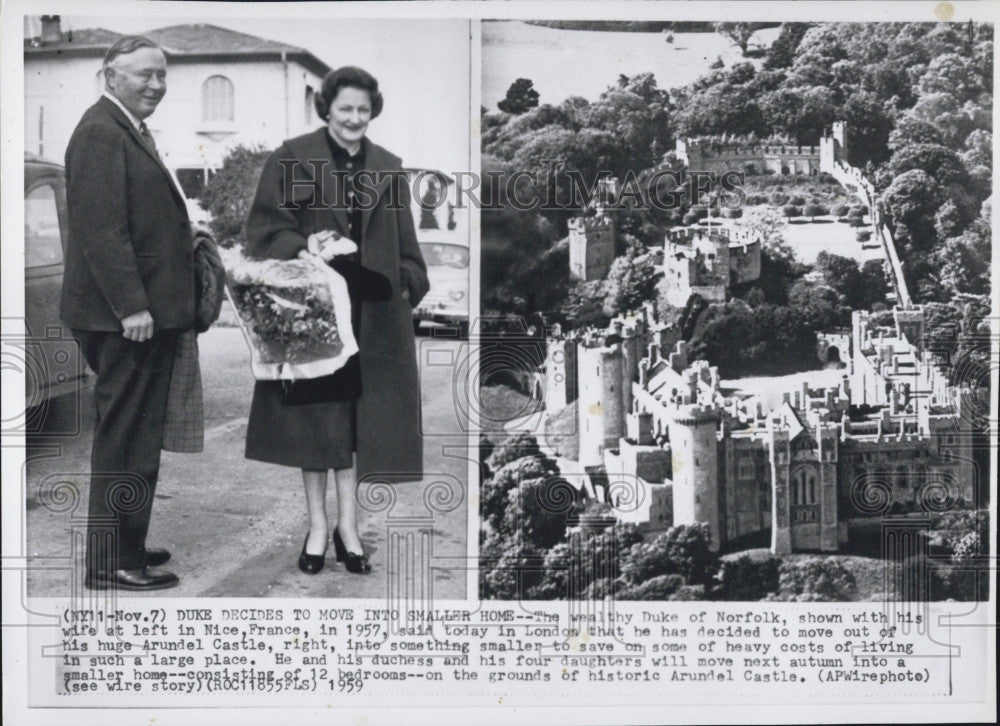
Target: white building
[(223, 89)]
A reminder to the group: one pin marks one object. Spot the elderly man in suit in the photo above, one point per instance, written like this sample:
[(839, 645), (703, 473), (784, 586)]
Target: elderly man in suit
[(128, 294)]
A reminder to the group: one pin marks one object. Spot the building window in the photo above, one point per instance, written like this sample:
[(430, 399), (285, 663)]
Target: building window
[(746, 470), (217, 99), (804, 487)]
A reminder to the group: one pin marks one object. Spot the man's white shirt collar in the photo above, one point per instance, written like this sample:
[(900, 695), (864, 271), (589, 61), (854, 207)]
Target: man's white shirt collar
[(128, 114), (138, 125)]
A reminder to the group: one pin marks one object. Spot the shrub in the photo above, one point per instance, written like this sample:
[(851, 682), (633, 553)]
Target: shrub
[(748, 579), (856, 221), (790, 210), (734, 213), (798, 200), (814, 580), (229, 193), (815, 210), (778, 198), (864, 235), (839, 210), (681, 550), (660, 587)]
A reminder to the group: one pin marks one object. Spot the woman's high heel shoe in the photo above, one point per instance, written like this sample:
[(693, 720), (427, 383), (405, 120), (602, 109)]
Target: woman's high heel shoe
[(354, 562), (311, 564)]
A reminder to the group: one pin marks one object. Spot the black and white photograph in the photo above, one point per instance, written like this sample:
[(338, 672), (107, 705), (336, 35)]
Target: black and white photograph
[(592, 362), (224, 261), (747, 270)]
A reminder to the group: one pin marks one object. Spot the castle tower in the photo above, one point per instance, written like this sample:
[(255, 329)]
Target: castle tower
[(606, 197), (828, 437), (910, 324), (695, 461), (601, 416), (632, 350), (591, 247), (781, 525), (556, 384)]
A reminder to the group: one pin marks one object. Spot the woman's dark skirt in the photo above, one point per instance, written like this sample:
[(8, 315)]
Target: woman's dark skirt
[(316, 436)]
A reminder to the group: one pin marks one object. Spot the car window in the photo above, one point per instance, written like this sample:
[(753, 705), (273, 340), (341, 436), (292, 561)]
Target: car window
[(445, 255), (42, 243)]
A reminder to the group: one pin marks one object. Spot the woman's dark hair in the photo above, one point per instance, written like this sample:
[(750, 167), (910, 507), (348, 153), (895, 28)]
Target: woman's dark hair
[(347, 77)]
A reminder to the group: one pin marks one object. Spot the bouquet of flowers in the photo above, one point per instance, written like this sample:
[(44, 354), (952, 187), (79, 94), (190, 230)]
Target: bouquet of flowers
[(295, 315)]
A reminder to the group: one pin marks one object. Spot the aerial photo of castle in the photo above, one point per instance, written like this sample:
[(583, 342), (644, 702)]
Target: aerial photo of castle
[(649, 418), (785, 397)]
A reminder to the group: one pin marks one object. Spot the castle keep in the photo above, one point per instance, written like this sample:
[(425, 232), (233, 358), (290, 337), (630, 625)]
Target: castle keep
[(708, 262)]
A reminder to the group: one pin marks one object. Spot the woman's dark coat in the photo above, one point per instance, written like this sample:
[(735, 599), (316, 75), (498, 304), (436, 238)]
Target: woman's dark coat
[(299, 193)]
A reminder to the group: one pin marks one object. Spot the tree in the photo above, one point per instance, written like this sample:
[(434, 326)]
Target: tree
[(781, 54), (495, 491), (765, 340), (537, 511), (739, 33), (228, 194), (938, 161), (818, 304), (683, 550), (870, 127), (965, 259), (911, 201), (584, 306), (521, 96), (632, 279)]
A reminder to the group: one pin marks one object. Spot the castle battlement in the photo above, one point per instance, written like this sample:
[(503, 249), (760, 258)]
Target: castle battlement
[(586, 224), (712, 150), (695, 414)]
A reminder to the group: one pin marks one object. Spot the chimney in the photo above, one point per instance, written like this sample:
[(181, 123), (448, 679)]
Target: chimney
[(51, 32)]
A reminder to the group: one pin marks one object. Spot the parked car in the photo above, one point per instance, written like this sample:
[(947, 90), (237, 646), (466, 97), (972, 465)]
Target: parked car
[(52, 362), (50, 357), (444, 244), (447, 302)]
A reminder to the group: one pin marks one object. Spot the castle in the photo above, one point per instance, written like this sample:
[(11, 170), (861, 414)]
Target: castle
[(672, 446), (593, 239), (678, 449), (752, 157), (708, 262), (703, 261), (693, 261)]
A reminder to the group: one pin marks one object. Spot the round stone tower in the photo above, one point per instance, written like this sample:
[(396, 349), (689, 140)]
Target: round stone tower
[(695, 459)]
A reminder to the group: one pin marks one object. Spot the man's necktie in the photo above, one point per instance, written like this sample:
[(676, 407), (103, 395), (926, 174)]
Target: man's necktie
[(144, 130)]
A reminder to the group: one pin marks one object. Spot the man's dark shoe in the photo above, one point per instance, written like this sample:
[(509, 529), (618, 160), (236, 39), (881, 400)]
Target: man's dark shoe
[(156, 556), (140, 579)]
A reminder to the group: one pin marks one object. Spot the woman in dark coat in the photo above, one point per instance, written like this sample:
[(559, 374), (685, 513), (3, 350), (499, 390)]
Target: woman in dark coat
[(335, 180)]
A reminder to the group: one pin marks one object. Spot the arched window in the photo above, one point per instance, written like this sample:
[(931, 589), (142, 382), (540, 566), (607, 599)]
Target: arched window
[(217, 99)]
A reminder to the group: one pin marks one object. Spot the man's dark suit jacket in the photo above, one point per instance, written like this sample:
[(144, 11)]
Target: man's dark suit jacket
[(130, 240)]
